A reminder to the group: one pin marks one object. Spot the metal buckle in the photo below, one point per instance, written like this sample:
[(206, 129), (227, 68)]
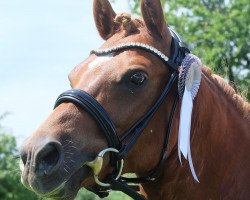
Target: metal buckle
[(96, 166)]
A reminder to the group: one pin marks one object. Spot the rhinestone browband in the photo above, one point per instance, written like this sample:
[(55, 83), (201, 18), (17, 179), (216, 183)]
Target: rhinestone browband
[(124, 46)]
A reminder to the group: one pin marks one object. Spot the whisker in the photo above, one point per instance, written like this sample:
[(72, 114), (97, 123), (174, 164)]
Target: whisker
[(68, 143), (16, 157), (67, 167), (74, 147), (68, 152), (14, 170), (65, 170)]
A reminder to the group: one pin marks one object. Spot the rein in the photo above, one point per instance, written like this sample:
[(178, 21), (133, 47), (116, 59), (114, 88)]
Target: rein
[(117, 149)]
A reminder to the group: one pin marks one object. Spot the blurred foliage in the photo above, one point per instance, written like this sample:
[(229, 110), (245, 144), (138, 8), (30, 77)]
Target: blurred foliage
[(86, 195), (218, 31), (10, 185)]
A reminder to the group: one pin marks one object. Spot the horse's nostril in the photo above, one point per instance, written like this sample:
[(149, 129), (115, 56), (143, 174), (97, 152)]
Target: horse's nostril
[(48, 158)]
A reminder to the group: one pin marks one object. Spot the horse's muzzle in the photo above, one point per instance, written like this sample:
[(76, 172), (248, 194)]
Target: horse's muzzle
[(40, 163), (53, 169)]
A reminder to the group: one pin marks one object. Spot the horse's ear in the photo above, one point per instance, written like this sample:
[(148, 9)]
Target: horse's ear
[(104, 18), (153, 16)]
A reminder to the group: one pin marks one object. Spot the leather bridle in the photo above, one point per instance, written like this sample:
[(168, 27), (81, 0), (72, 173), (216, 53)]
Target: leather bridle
[(87, 102)]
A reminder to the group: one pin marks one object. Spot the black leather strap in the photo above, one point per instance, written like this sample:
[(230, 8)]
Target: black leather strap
[(153, 174), (136, 130), (120, 185), (96, 110)]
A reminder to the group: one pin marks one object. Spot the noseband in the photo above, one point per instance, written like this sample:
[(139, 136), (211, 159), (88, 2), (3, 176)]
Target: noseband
[(99, 114)]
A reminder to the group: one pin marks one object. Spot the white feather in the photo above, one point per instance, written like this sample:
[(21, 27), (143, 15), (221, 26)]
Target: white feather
[(184, 130), (185, 123)]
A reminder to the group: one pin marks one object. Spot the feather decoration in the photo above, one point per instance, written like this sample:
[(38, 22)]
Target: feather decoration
[(188, 86)]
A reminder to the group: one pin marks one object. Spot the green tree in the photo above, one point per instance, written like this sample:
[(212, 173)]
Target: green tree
[(218, 31), (10, 185)]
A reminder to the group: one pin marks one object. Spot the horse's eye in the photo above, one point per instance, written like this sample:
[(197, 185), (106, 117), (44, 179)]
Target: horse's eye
[(138, 78)]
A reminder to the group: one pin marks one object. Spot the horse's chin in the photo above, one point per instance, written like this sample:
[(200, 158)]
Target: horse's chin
[(68, 189)]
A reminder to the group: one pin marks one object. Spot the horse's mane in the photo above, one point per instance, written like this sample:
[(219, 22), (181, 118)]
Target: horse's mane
[(237, 100), (124, 22)]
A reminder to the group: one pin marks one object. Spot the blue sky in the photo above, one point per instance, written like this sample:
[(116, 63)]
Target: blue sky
[(40, 42)]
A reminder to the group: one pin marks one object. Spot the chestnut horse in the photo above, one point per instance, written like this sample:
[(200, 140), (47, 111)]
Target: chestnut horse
[(56, 159)]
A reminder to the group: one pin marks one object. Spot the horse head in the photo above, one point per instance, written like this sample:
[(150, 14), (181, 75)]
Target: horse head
[(125, 82)]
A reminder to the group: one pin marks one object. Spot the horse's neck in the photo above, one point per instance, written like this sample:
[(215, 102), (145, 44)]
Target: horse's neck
[(220, 146)]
